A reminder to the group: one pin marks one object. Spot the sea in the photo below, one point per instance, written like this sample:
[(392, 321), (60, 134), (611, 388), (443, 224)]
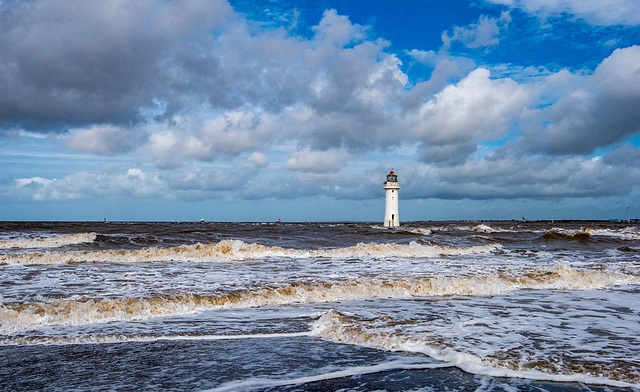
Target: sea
[(430, 306)]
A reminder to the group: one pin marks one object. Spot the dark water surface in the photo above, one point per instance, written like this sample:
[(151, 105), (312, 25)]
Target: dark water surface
[(452, 306)]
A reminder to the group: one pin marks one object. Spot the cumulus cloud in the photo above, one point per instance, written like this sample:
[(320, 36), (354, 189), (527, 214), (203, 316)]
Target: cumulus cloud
[(521, 177), (258, 159), (80, 63), (446, 68), (624, 155), (317, 161), (337, 29), (212, 99), (355, 92), (207, 179), (602, 13), (477, 108), (134, 182), (235, 132), (491, 177), (157, 69), (601, 110), (225, 135), (103, 139), (486, 32)]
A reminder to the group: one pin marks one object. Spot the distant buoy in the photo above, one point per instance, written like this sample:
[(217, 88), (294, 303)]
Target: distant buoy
[(279, 221), (201, 220)]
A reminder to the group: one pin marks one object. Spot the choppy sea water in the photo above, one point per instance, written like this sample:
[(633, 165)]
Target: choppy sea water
[(500, 306)]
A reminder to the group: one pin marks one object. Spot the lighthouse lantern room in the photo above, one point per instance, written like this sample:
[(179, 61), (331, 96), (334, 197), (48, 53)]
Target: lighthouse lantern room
[(391, 187)]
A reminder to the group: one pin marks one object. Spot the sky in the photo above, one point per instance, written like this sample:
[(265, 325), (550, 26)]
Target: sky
[(260, 110)]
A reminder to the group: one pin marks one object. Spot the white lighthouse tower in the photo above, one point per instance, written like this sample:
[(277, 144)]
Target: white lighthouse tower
[(391, 187)]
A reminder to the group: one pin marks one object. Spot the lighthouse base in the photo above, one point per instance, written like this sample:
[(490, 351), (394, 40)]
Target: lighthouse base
[(392, 220)]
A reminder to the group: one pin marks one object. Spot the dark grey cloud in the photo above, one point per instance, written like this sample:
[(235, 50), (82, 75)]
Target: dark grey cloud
[(76, 63), (512, 177), (601, 111), (624, 155), (447, 154), (81, 64)]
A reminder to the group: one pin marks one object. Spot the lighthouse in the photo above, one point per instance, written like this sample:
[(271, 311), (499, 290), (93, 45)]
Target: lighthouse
[(391, 188)]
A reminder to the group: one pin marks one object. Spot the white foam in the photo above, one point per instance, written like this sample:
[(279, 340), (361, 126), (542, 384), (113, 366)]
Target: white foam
[(483, 229), (627, 234), (421, 231), (235, 250), (338, 327), (47, 242)]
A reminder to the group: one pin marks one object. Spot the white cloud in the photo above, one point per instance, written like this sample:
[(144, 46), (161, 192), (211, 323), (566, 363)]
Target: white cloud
[(259, 159), (317, 161), (80, 185), (103, 139), (37, 188), (384, 81), (483, 34), (227, 134), (597, 12), (446, 68), (164, 148), (337, 29), (477, 108)]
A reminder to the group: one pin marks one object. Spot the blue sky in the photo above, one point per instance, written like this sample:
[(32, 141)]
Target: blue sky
[(259, 110)]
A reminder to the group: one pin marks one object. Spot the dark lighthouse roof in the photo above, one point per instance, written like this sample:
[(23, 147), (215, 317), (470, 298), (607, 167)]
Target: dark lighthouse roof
[(391, 177)]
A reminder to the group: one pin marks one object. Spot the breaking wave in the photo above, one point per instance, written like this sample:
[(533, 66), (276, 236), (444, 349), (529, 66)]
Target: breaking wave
[(231, 250), (485, 229), (48, 242), (421, 231), (627, 234), (338, 327), (108, 339), (564, 234), (17, 317)]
